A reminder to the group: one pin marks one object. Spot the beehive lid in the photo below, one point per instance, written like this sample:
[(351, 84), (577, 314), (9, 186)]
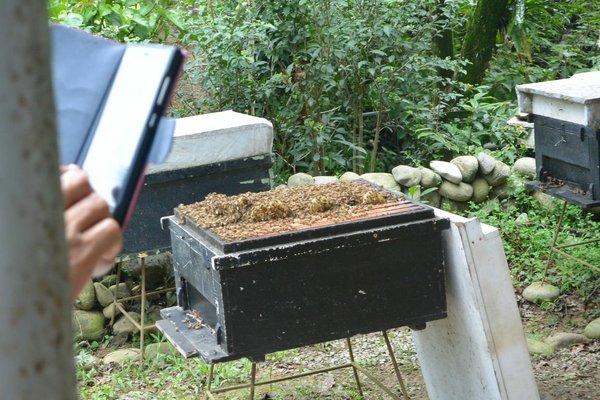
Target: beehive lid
[(576, 99)]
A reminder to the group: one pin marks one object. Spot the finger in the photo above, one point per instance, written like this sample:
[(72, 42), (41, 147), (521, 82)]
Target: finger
[(69, 167), (86, 213), (75, 186), (105, 240)]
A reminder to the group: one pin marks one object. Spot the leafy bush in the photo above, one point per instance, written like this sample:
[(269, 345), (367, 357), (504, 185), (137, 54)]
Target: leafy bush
[(124, 20)]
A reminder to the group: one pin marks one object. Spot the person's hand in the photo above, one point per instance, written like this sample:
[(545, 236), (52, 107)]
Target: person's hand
[(93, 236)]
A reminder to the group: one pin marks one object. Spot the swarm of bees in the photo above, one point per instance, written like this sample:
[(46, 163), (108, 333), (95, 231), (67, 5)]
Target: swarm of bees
[(250, 214), (272, 210), (193, 320)]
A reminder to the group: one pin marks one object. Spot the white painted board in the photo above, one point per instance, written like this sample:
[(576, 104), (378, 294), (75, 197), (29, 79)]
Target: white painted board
[(576, 99), (216, 137), (479, 351)]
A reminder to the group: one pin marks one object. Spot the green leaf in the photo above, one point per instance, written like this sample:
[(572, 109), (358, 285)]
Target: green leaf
[(73, 20), (387, 29), (175, 20)]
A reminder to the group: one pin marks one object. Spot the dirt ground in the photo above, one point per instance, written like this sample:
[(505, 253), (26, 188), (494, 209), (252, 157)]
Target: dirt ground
[(569, 374)]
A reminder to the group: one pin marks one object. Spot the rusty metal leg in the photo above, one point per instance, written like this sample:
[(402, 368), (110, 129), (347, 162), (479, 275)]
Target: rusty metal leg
[(553, 245), (252, 380), (115, 299), (142, 258), (351, 354), (395, 364), (211, 373)]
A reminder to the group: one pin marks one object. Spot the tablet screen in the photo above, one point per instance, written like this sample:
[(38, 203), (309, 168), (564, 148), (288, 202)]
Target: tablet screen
[(114, 159)]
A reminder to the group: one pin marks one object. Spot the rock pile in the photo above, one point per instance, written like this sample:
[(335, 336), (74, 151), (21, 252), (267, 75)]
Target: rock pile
[(443, 184), (94, 308)]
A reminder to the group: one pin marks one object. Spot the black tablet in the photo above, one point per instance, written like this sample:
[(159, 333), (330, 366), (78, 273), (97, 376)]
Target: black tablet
[(110, 98), (117, 153)]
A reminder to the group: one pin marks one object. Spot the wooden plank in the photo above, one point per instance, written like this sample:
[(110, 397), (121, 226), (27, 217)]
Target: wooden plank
[(182, 345), (479, 351)]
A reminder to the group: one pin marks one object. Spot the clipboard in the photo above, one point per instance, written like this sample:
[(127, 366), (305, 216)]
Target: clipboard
[(110, 99)]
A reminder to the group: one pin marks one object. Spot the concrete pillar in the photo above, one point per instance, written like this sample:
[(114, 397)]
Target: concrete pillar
[(36, 360)]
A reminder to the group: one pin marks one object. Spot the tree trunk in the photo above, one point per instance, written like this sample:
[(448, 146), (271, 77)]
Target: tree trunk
[(36, 360), (480, 37), (443, 41)]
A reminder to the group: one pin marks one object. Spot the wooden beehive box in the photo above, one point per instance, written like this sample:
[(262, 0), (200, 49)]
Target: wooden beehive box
[(382, 268)]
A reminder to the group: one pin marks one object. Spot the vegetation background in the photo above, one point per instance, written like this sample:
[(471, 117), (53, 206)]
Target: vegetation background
[(365, 85)]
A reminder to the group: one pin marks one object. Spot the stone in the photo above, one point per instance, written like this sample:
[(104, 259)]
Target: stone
[(487, 163), (481, 190), (526, 167), (522, 219), (103, 294), (539, 291), (85, 361), (157, 268), (121, 290), (123, 326), (544, 200), (537, 347), (461, 192), (153, 313), (429, 178), (324, 180), (122, 356), (468, 166), (406, 175), (592, 330), (300, 179), (349, 176), (499, 175), (87, 297), (383, 179), (432, 199), (446, 170), (154, 349), (87, 325), (109, 280), (502, 192), (560, 340), (111, 311)]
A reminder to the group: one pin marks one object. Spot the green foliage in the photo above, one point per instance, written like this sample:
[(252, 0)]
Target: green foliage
[(343, 81), (125, 20), (545, 41), (527, 246)]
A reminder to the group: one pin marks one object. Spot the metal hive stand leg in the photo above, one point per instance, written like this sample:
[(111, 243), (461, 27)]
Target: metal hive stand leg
[(555, 248), (372, 377), (554, 239), (141, 325), (396, 369), (355, 367)]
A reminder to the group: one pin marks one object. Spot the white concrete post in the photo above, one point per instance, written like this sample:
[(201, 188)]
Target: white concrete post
[(36, 360)]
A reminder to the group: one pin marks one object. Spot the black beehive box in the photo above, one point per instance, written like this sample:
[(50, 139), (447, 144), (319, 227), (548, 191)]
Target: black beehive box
[(566, 118), (283, 291), (165, 190)]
